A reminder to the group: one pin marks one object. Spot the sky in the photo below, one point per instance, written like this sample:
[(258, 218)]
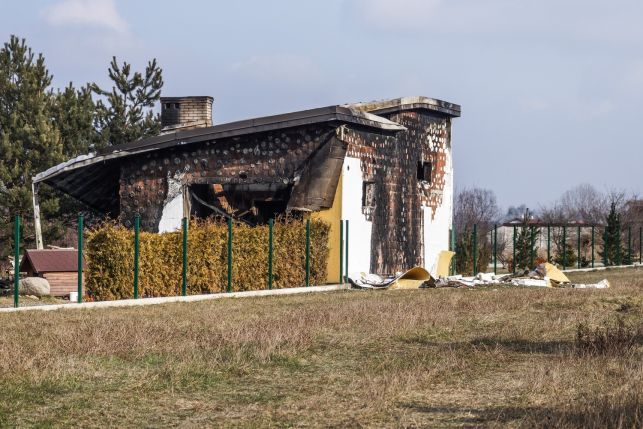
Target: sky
[(551, 90)]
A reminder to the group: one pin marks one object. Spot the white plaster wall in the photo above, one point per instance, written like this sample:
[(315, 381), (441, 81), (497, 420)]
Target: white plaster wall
[(436, 228), (173, 206), (360, 229), (172, 215)]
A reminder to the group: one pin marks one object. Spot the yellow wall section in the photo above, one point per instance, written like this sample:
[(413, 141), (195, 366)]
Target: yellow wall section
[(333, 216)]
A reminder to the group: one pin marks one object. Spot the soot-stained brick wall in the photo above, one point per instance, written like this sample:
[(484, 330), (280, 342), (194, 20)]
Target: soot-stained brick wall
[(390, 164), (259, 158)]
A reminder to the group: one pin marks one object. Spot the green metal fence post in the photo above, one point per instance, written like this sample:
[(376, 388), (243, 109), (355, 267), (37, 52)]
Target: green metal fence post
[(629, 244), (532, 242), (474, 249), (578, 264), (137, 225), (564, 247), (453, 249), (619, 259), (548, 243), (16, 262), (514, 252), (341, 251), (184, 280), (346, 265), (307, 252), (80, 259), (229, 287), (593, 245), (605, 247), (495, 249), (271, 223)]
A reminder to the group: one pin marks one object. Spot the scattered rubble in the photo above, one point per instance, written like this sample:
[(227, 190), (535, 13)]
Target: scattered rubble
[(544, 275), (414, 278)]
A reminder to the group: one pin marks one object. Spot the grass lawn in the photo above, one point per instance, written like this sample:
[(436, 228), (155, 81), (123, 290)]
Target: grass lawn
[(491, 357)]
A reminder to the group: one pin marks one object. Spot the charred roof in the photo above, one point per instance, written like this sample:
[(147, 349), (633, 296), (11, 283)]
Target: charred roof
[(94, 178)]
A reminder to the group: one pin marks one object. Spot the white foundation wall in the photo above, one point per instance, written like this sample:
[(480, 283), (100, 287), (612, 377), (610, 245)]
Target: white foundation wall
[(436, 228), (360, 229)]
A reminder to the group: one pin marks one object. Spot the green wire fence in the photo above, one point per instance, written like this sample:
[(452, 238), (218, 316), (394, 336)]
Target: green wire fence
[(344, 229)]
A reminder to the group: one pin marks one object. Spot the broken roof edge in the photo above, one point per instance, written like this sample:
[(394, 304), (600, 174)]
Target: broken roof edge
[(337, 113), (267, 123), (409, 103)]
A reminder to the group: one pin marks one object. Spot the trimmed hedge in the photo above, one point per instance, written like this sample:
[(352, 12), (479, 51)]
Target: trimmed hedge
[(110, 258)]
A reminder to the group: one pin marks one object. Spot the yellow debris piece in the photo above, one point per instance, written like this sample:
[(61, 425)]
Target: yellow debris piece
[(444, 263), (555, 274), (411, 279)]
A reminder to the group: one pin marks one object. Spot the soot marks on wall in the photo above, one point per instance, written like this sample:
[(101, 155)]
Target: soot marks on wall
[(393, 196), (260, 159)]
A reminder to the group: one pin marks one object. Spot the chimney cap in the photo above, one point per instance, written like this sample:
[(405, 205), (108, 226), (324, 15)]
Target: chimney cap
[(188, 97)]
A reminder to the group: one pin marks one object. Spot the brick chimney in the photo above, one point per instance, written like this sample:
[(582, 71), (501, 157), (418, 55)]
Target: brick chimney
[(184, 113)]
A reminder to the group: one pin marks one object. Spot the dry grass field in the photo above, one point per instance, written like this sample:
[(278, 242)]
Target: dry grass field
[(490, 357)]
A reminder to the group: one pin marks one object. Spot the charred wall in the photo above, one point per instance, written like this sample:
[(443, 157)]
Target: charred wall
[(307, 158), (146, 181), (395, 195)]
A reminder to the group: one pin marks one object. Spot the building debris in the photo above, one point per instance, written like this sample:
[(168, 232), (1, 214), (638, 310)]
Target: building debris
[(415, 278), (603, 284), (544, 275)]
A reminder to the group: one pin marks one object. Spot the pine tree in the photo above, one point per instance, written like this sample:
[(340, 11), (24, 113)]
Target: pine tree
[(29, 141), (40, 127), (74, 114), (526, 240), (565, 255), (126, 115), (613, 252)]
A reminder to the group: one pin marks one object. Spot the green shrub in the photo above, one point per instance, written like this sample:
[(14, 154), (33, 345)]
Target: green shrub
[(110, 257)]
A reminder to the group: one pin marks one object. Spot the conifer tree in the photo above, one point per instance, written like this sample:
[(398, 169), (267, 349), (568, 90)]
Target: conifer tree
[(40, 127), (526, 241), (29, 141), (126, 113), (613, 252)]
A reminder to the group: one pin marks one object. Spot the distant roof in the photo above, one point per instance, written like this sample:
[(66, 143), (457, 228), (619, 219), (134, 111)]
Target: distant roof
[(50, 260), (541, 223)]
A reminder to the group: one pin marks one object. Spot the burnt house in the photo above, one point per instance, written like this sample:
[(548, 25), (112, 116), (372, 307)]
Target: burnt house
[(384, 166)]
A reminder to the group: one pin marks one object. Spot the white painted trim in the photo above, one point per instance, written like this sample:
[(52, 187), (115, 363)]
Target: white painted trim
[(170, 299)]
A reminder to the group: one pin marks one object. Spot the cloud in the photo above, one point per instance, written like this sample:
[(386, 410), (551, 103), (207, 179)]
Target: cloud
[(87, 13), (398, 14), (286, 68), (575, 20)]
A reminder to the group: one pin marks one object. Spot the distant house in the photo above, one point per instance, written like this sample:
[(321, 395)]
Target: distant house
[(58, 266), (506, 232), (633, 212)]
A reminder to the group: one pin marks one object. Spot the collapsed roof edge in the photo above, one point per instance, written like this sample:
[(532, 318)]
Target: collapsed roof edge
[(347, 114)]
